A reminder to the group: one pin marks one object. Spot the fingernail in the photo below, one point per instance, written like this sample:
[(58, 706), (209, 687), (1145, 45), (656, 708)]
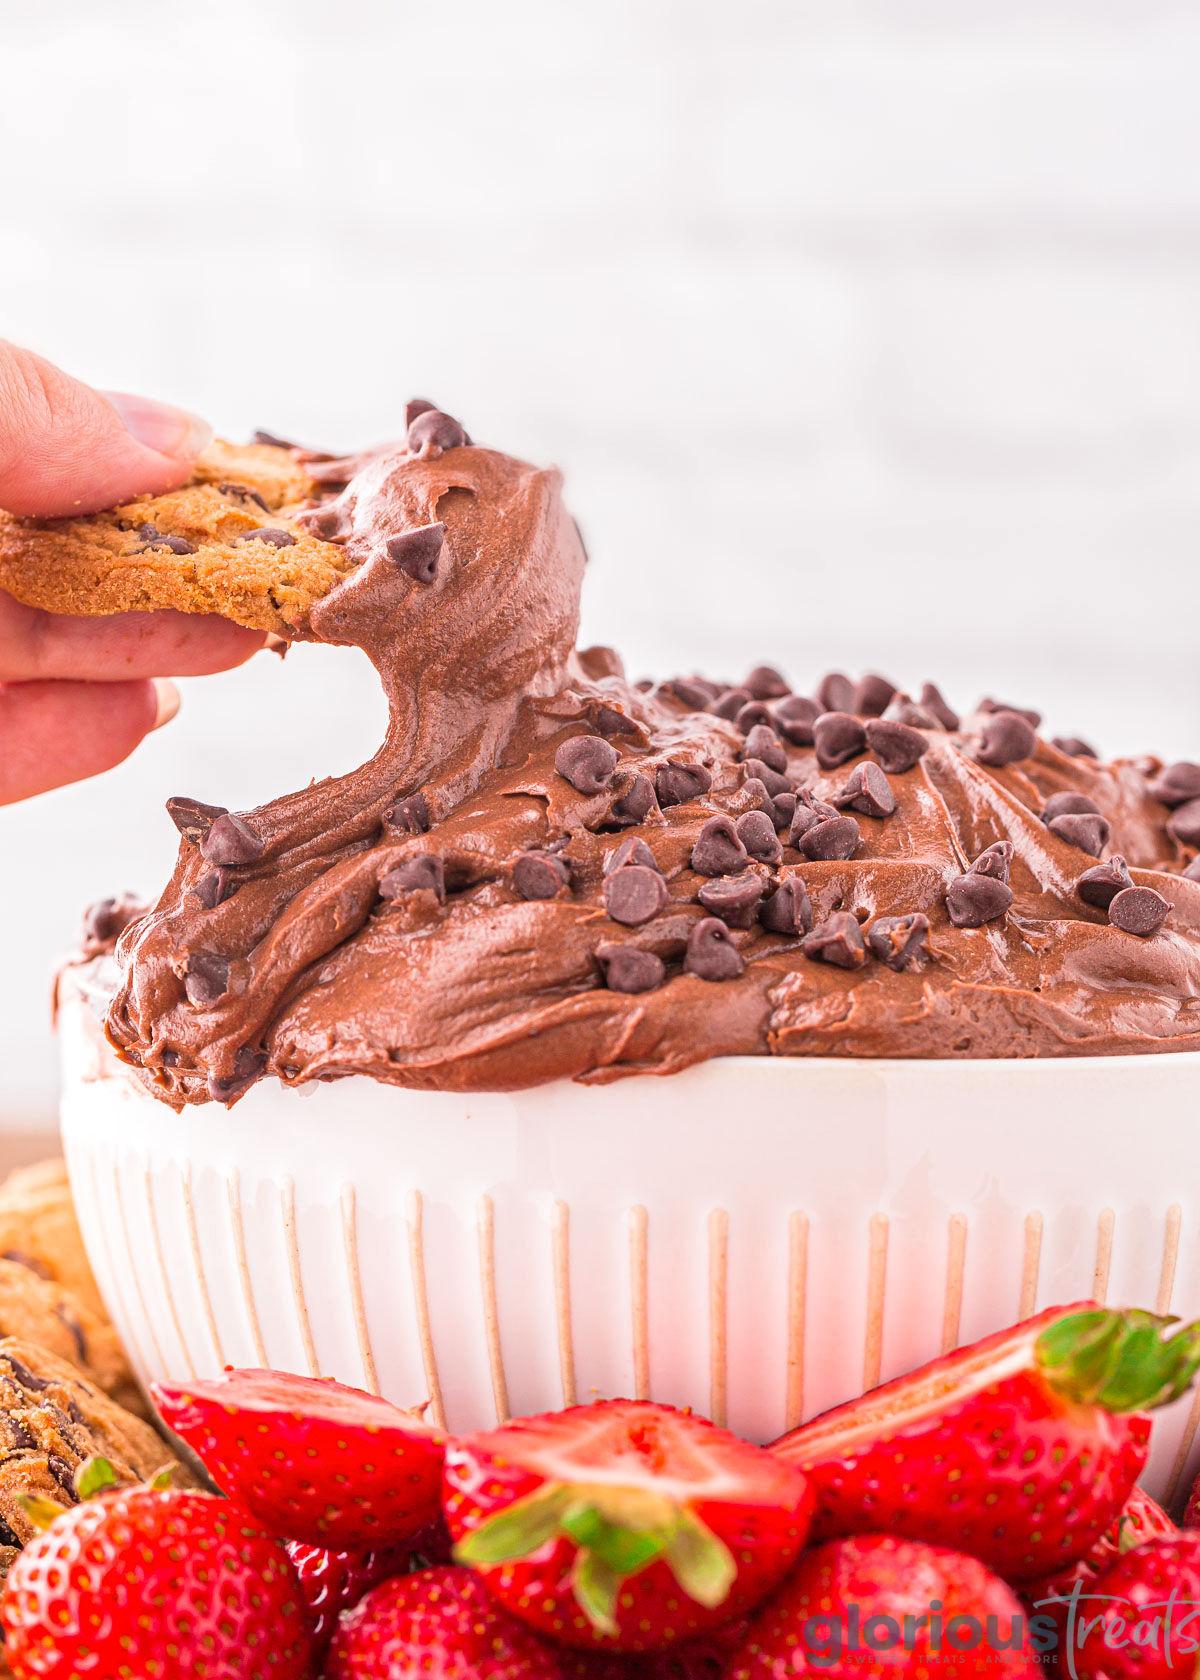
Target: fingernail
[(167, 696), (166, 430)]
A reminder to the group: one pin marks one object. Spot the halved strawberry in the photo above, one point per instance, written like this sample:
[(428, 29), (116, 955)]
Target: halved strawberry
[(874, 1604), (312, 1459), (1020, 1449), (623, 1524)]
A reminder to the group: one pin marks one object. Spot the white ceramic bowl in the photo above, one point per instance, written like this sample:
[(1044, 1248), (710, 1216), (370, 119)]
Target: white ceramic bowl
[(757, 1238)]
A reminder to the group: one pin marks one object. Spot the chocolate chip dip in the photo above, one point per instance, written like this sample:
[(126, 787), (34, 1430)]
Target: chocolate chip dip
[(550, 871)]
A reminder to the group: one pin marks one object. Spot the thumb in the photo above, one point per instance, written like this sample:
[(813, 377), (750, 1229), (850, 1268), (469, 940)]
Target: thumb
[(66, 449)]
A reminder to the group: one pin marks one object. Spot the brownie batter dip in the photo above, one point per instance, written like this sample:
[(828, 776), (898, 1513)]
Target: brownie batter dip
[(550, 871)]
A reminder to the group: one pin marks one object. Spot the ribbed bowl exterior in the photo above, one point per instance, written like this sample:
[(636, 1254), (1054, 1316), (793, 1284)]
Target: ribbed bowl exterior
[(756, 1238)]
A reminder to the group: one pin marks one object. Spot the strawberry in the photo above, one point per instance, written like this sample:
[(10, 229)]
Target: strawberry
[(623, 1525), (157, 1584), (335, 1581), (874, 1604), (1140, 1620), (442, 1623), (1191, 1513), (1141, 1520), (699, 1659), (1020, 1449), (312, 1459)]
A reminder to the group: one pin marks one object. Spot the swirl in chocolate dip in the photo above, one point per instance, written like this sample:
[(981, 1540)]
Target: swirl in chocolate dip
[(548, 871)]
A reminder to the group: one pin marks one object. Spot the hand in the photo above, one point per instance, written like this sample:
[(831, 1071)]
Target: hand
[(78, 694)]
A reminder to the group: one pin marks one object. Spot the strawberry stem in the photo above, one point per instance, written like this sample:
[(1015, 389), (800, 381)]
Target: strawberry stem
[(1121, 1361), (617, 1533)]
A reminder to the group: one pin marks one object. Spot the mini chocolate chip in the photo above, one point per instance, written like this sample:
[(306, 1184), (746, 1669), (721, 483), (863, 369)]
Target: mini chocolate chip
[(587, 762), (63, 1474), (1101, 885), (109, 917), (905, 710), (206, 978), (735, 898), (634, 802), (690, 692), (169, 1057), (634, 894), (243, 493), (774, 781), (415, 406), (192, 818), (1074, 747), (643, 685), (898, 940), (794, 717), (1139, 910), (931, 699), (20, 1258), (836, 737), (1176, 784), (835, 692), (717, 850), (626, 969), (214, 888), (417, 552), (248, 1065), (1069, 804), (975, 898), (1184, 823), (731, 702), (156, 539), (270, 534), (711, 953), (756, 831), (784, 810), (1192, 872), (754, 715), (868, 791), (756, 789), (838, 940), (231, 840), (426, 873), (897, 746), (763, 743), (432, 431), (1032, 718), (1091, 833), (409, 815), (1006, 738), (838, 837), (808, 813), (995, 860), (631, 850), (766, 683), (275, 442), (872, 696), (607, 720), (75, 1330), (676, 783), (788, 910), (540, 875)]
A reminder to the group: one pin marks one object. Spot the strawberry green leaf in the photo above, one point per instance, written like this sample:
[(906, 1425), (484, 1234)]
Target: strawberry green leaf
[(596, 1588), (701, 1563), (1121, 1361), (518, 1530), (163, 1478), (93, 1477), (622, 1550), (41, 1512)]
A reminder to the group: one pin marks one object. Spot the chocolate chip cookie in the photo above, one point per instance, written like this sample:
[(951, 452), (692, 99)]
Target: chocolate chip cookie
[(34, 1309), (38, 1228), (228, 542), (52, 1420)]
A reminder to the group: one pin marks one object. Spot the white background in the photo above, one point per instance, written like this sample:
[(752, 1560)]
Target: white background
[(867, 333)]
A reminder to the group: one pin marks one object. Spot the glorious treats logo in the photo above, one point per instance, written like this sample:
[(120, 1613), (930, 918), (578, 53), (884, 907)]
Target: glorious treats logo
[(1061, 1625)]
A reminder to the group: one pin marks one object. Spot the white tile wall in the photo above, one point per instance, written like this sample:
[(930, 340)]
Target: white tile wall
[(866, 332)]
